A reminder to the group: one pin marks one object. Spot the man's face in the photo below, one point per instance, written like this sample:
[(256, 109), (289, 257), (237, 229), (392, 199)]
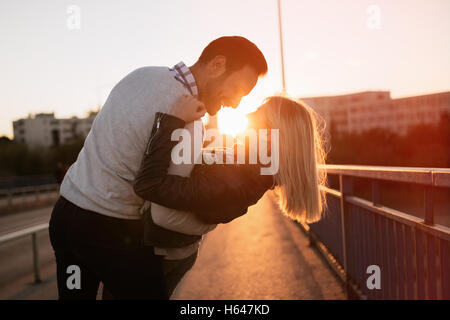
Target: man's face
[(228, 89)]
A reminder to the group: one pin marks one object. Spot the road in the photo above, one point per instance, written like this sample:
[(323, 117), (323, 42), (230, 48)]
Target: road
[(16, 267), (262, 255), (28, 198)]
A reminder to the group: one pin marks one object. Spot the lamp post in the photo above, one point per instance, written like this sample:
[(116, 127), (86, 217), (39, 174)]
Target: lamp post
[(281, 47)]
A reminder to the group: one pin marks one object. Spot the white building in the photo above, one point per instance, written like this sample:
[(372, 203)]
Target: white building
[(358, 112), (44, 130)]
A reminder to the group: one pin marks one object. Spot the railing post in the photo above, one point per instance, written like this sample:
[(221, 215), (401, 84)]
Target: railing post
[(9, 198), (429, 214), (37, 274), (346, 188), (375, 192)]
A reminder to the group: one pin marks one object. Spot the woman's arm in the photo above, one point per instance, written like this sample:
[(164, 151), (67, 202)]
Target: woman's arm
[(215, 193), (179, 221)]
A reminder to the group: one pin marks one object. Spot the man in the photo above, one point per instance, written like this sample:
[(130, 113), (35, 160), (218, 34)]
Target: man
[(96, 228)]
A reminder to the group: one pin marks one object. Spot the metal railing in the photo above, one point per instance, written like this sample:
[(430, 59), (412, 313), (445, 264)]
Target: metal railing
[(34, 193), (26, 181), (35, 245), (412, 253)]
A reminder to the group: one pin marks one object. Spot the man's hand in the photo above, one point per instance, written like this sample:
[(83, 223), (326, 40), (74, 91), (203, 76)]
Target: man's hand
[(188, 108)]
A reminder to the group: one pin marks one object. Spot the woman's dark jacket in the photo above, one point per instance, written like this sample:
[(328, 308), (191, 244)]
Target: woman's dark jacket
[(216, 193)]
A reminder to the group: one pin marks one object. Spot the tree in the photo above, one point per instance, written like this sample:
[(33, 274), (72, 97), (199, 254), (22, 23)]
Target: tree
[(424, 145)]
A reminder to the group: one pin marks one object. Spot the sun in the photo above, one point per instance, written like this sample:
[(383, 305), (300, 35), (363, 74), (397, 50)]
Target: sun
[(231, 121)]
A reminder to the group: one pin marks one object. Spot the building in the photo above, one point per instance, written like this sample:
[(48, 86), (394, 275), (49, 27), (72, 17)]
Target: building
[(44, 130), (362, 111), (427, 109)]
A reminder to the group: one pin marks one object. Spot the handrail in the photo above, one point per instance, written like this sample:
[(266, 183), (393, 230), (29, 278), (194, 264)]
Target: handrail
[(23, 232), (26, 232), (439, 177), (9, 194), (21, 190), (412, 252)]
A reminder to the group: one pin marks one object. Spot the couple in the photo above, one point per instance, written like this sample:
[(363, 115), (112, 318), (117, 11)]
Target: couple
[(130, 218)]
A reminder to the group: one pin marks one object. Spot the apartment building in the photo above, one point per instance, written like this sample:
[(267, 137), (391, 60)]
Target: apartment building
[(44, 130), (362, 111)]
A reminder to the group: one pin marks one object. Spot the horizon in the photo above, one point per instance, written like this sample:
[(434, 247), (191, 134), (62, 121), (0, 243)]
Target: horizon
[(32, 114)]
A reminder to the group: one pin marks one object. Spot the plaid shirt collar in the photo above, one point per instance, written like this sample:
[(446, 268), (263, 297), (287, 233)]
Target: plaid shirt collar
[(183, 74)]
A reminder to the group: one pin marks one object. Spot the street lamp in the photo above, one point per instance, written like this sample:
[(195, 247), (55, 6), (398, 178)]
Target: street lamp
[(281, 47)]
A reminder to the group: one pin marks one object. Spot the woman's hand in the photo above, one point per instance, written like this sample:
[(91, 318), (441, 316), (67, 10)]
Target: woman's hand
[(188, 108)]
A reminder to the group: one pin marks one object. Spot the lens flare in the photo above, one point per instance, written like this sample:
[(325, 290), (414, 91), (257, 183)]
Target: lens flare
[(231, 121)]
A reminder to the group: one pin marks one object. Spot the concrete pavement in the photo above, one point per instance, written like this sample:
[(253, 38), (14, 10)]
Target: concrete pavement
[(262, 255)]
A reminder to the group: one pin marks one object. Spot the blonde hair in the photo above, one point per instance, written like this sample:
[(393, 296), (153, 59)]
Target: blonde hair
[(301, 149)]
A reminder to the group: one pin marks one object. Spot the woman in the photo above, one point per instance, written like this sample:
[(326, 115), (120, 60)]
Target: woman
[(219, 193)]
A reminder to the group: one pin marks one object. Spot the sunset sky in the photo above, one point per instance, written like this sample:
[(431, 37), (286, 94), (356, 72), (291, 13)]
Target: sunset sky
[(329, 47)]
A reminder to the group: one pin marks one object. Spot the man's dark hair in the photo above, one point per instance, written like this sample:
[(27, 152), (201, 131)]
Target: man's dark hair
[(238, 51)]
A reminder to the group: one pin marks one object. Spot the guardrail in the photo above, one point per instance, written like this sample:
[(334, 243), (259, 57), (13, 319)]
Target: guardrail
[(37, 191), (26, 181), (412, 253), (35, 245)]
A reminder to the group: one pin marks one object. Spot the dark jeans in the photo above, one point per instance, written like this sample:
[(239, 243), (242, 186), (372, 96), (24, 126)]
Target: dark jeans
[(174, 271), (105, 249)]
